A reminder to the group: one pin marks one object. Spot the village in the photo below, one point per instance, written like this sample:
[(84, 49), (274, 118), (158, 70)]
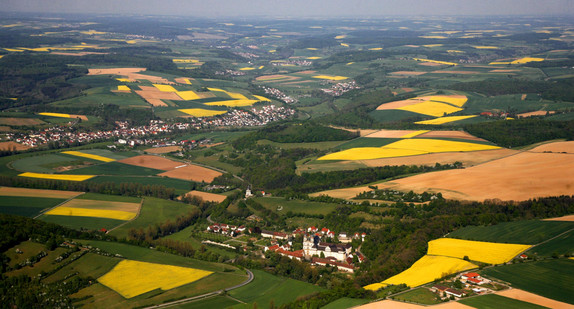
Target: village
[(133, 135)]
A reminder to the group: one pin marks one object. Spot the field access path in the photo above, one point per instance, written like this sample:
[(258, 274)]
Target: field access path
[(250, 278)]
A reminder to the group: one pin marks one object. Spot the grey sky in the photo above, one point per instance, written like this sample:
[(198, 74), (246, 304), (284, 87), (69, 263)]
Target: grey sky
[(295, 8)]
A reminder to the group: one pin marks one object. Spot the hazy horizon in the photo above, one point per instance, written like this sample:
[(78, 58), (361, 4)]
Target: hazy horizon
[(296, 8)]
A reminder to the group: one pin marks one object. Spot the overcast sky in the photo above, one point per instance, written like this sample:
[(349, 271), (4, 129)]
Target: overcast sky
[(295, 8)]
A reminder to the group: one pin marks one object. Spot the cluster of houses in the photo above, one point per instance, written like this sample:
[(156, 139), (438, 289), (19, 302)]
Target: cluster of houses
[(134, 135), (225, 229), (339, 88), (278, 94), (471, 281)]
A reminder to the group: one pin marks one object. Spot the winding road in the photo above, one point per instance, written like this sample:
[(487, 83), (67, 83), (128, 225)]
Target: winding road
[(207, 295)]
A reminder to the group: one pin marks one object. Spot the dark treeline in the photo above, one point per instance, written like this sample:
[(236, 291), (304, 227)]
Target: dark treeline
[(558, 90), (521, 132), (402, 240), (127, 189)]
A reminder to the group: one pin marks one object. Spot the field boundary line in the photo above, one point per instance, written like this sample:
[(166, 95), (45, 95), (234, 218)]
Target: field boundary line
[(62, 203), (135, 218)]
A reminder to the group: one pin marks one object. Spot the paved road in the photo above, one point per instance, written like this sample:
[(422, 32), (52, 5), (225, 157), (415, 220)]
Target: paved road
[(207, 295)]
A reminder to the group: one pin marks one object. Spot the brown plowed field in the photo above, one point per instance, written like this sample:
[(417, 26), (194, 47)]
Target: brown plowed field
[(193, 173), (536, 113), (399, 104), (519, 177), (466, 158), (534, 299), (9, 191), (391, 133), (9, 121), (13, 146), (454, 72), (115, 71), (156, 162), (391, 304), (154, 96), (206, 196), (569, 218), (167, 149), (567, 147)]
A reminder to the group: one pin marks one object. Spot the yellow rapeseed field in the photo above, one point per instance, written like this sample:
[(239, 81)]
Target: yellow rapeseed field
[(313, 58), (433, 37), (216, 89), (123, 88), (186, 81), (132, 278), (55, 115), (232, 103), (165, 88), (526, 60), (454, 100), (57, 177), (246, 69), (185, 60), (486, 47), (237, 96), (431, 108), (486, 252), (413, 134), (262, 98), (406, 147), (340, 37), (188, 95), (425, 270), (330, 77), (345, 44), (443, 120), (376, 48), (124, 80), (89, 156), (368, 153), (94, 213), (435, 61), (200, 112)]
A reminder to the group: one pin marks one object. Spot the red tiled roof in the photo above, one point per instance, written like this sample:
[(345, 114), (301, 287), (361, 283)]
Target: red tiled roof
[(474, 280), (471, 275)]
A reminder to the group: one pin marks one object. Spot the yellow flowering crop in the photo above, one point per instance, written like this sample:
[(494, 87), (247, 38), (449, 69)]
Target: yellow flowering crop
[(55, 115), (454, 100), (340, 37), (368, 153), (123, 88), (232, 103), (485, 47), (57, 177), (237, 96), (262, 98), (95, 213), (185, 61), (165, 88), (413, 134), (124, 80), (432, 36), (313, 58), (132, 278), (435, 61), (376, 48), (345, 44), (425, 270), (246, 69), (443, 120), (330, 77), (199, 112), (431, 108), (311, 48), (486, 252), (216, 89), (89, 156), (526, 60), (188, 95), (186, 81)]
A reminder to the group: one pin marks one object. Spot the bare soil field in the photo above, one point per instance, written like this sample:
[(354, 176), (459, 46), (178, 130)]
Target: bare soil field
[(9, 191), (83, 117), (391, 133), (155, 96), (450, 134), (345, 193), (518, 177), (9, 121), (503, 71), (534, 299), (206, 196), (156, 162), (364, 132), (430, 64), (398, 104), (193, 173), (13, 146), (5, 129), (466, 158), (115, 71), (167, 149), (278, 77), (391, 304), (182, 80), (536, 113), (408, 73), (106, 205), (569, 218), (560, 147)]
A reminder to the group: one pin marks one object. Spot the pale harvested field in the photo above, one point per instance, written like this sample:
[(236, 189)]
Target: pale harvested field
[(9, 191), (13, 146), (451, 134), (156, 162), (408, 73), (399, 104), (115, 71), (167, 149), (307, 72), (503, 71), (555, 147), (193, 173), (206, 196), (519, 177), (392, 133), (104, 205), (345, 193), (466, 158), (9, 121), (362, 132), (407, 89), (182, 80), (569, 218), (205, 95), (455, 72), (391, 304), (430, 64), (153, 79), (536, 113), (5, 129), (534, 299), (276, 77), (154, 96), (83, 117)]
